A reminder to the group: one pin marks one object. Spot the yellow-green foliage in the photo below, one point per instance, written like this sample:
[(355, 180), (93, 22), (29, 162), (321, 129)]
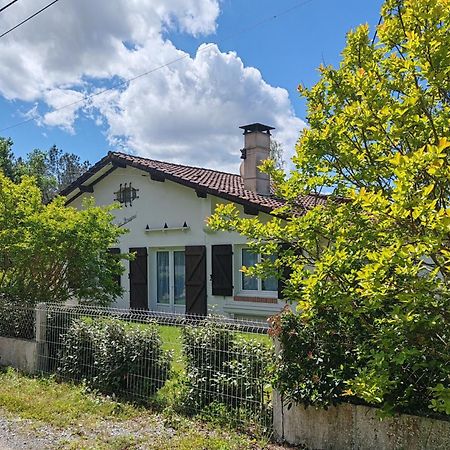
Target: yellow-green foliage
[(373, 269), (53, 252)]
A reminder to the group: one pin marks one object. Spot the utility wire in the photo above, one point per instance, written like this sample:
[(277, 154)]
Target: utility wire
[(28, 18), (162, 66), (8, 5), (376, 30)]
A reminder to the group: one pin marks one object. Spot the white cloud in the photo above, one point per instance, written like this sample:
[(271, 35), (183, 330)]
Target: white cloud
[(65, 104), (187, 112)]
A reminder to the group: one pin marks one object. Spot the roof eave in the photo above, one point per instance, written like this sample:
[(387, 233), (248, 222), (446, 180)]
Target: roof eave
[(117, 161)]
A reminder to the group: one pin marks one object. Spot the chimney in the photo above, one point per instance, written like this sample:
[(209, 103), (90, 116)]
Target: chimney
[(256, 150)]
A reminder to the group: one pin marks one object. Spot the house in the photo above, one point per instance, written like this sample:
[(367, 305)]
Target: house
[(182, 266)]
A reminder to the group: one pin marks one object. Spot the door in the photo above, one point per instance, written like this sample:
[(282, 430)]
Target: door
[(196, 280), (138, 276), (169, 286)]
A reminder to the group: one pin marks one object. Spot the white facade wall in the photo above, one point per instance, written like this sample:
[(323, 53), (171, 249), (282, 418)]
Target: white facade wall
[(172, 203)]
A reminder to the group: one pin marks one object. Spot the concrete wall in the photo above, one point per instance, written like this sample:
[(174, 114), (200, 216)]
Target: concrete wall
[(349, 426), (19, 353)]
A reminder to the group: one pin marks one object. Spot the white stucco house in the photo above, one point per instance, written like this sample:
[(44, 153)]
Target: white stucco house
[(180, 265)]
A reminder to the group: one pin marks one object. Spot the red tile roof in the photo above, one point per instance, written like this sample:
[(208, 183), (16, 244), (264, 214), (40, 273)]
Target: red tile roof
[(207, 181)]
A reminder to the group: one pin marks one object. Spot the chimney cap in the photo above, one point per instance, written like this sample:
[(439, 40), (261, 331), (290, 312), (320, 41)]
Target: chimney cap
[(256, 127)]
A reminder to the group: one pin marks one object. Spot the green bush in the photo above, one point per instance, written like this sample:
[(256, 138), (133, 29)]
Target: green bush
[(313, 362), (16, 319), (115, 357), (327, 361), (223, 367)]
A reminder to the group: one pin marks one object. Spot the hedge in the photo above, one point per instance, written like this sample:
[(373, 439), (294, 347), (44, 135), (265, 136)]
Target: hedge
[(224, 367), (115, 357)]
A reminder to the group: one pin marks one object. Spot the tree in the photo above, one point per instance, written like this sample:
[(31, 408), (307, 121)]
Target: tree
[(65, 167), (276, 154), (371, 264), (7, 161), (53, 170), (53, 253), (36, 165)]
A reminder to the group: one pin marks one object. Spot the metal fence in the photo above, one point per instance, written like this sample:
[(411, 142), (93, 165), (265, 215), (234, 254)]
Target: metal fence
[(213, 366)]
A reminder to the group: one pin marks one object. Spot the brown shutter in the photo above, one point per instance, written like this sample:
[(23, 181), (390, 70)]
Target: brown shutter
[(195, 266), (115, 252), (138, 279), (285, 274), (222, 270)]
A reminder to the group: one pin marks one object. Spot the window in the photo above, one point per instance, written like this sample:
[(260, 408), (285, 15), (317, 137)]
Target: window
[(170, 278), (250, 258), (179, 278), (126, 194), (162, 277)]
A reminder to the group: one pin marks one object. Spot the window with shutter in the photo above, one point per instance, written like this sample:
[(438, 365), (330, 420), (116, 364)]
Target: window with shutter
[(222, 270)]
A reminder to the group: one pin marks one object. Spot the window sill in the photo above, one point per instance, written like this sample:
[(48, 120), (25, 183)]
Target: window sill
[(255, 299)]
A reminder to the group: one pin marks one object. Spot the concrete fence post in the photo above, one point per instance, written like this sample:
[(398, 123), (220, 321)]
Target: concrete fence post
[(41, 337), (277, 402)]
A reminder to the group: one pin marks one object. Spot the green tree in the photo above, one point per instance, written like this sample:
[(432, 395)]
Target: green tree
[(53, 170), (7, 160), (36, 165), (52, 252), (276, 154), (65, 167), (370, 262)]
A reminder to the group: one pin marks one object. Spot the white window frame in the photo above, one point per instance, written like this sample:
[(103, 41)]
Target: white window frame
[(171, 306), (239, 276)]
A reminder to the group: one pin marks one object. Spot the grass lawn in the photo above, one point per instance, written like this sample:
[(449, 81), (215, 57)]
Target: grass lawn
[(171, 337), (79, 419)]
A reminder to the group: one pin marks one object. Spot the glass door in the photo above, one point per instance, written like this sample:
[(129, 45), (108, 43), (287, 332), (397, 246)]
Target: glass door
[(170, 280)]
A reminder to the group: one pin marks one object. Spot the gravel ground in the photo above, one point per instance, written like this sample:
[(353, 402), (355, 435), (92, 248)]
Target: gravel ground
[(22, 434), (19, 434), (16, 434)]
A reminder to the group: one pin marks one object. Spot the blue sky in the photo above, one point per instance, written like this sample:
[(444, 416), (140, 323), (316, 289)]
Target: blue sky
[(188, 112)]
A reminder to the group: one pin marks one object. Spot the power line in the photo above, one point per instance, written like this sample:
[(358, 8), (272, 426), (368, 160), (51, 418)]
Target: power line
[(8, 5), (376, 29), (162, 66), (28, 18)]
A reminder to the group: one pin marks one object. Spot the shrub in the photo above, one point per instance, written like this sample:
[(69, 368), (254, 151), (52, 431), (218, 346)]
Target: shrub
[(320, 366), (313, 363), (115, 357), (224, 367), (16, 320)]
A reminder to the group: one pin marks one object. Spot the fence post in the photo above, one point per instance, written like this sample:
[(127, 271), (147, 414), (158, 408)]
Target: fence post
[(41, 337), (277, 401)]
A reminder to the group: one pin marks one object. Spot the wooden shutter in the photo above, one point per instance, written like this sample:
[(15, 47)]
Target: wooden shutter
[(115, 252), (139, 279), (222, 270), (285, 275), (195, 266)]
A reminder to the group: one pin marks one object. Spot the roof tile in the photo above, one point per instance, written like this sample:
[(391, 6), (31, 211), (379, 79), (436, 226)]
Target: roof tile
[(227, 185)]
